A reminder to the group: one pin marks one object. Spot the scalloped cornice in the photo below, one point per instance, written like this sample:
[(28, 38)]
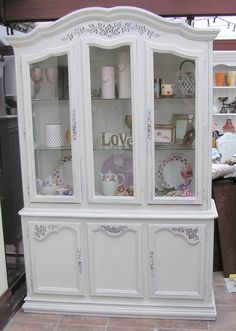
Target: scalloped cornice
[(110, 14)]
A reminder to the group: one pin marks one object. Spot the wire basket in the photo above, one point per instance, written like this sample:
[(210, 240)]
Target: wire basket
[(185, 82)]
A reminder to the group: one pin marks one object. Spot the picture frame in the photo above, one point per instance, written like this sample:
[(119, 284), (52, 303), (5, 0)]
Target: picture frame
[(164, 134), (180, 122)]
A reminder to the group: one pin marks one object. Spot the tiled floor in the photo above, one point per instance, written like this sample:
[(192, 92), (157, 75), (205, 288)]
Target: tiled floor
[(226, 319)]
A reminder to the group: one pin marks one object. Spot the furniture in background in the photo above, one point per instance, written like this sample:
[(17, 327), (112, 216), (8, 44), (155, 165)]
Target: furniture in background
[(11, 197), (2, 103), (224, 193)]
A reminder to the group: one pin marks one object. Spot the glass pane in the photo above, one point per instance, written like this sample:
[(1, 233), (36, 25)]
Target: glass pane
[(174, 125), (112, 121), (51, 126)]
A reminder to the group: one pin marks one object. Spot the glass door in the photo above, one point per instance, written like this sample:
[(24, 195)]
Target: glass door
[(112, 122), (51, 127), (173, 127)]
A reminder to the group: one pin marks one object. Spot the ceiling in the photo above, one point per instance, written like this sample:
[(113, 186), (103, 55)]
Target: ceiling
[(43, 10)]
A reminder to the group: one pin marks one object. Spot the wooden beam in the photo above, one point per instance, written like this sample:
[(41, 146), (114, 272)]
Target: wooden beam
[(35, 10), (224, 45)]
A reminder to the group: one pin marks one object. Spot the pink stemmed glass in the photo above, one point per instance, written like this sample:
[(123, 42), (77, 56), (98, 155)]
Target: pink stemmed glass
[(51, 74), (37, 77)]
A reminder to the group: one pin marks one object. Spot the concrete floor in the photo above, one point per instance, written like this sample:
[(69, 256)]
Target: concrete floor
[(226, 319)]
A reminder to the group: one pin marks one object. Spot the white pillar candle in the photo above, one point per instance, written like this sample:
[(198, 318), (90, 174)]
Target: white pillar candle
[(124, 85), (108, 82)]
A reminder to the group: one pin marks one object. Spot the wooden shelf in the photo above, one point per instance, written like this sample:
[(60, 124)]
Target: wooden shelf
[(225, 87)]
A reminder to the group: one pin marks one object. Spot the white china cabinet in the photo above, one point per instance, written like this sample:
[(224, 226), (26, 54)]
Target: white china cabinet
[(115, 148)]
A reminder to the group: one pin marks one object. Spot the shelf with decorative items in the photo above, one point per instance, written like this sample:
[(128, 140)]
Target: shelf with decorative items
[(223, 116), (115, 165), (223, 113), (224, 91)]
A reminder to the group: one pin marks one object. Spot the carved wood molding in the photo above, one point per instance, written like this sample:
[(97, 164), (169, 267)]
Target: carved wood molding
[(113, 230), (42, 231), (189, 233), (111, 29)]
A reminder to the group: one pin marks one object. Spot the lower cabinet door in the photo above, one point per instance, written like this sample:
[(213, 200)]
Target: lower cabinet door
[(115, 259), (56, 257), (177, 254)]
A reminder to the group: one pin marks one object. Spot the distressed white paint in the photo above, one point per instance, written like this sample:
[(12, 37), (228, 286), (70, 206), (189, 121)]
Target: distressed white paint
[(91, 254)]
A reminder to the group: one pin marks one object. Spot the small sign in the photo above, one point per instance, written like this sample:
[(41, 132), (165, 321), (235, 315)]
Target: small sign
[(116, 140)]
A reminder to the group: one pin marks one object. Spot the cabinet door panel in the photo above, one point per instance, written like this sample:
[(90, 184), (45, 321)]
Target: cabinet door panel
[(56, 258), (173, 126), (115, 259), (51, 119), (113, 105), (51, 116), (177, 261), (174, 132)]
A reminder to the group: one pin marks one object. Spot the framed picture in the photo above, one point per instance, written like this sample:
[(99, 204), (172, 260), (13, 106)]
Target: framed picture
[(180, 122), (164, 133)]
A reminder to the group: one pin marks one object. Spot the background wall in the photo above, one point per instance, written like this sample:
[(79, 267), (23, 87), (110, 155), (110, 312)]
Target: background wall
[(3, 274)]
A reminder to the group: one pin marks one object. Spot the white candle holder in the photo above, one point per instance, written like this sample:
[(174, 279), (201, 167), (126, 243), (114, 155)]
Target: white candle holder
[(54, 136)]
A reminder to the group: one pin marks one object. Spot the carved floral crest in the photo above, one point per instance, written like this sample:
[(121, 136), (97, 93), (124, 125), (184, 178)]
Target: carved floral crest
[(191, 234), (42, 231), (114, 230), (111, 29)]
